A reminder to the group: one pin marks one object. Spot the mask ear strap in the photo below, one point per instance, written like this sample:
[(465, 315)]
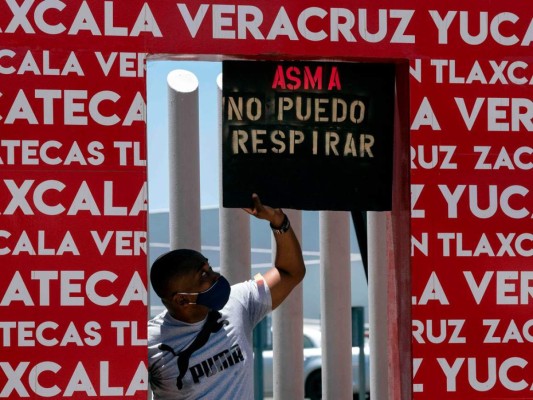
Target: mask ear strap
[(183, 300)]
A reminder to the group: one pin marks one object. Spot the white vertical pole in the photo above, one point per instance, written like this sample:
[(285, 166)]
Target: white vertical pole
[(234, 225), (377, 304), (287, 322), (184, 160), (335, 305)]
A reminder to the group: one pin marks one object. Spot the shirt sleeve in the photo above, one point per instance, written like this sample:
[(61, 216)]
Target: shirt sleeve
[(255, 297)]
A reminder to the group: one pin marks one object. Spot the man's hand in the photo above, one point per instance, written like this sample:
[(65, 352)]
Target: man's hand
[(259, 210), (289, 267)]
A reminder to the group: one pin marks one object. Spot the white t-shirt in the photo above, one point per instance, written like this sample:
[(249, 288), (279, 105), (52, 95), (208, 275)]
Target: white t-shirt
[(223, 367)]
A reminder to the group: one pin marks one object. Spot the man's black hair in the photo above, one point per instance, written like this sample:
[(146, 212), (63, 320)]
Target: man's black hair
[(173, 264)]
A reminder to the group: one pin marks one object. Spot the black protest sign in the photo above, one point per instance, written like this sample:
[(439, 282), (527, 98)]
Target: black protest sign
[(308, 135)]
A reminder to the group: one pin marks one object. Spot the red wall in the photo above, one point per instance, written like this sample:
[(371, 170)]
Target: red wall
[(73, 196)]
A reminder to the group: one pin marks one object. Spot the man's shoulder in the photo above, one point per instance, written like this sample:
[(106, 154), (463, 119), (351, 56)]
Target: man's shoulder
[(242, 287), (249, 295), (154, 327), (158, 320)]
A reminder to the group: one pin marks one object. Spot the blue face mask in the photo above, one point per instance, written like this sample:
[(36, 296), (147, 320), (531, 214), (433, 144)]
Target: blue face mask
[(216, 297)]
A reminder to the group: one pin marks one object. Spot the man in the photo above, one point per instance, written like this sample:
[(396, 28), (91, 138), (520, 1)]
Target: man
[(201, 346)]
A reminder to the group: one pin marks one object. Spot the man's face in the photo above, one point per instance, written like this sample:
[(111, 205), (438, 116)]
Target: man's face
[(197, 280)]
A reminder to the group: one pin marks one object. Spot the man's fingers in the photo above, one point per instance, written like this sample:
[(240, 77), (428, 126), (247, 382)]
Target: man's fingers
[(257, 206), (257, 202)]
